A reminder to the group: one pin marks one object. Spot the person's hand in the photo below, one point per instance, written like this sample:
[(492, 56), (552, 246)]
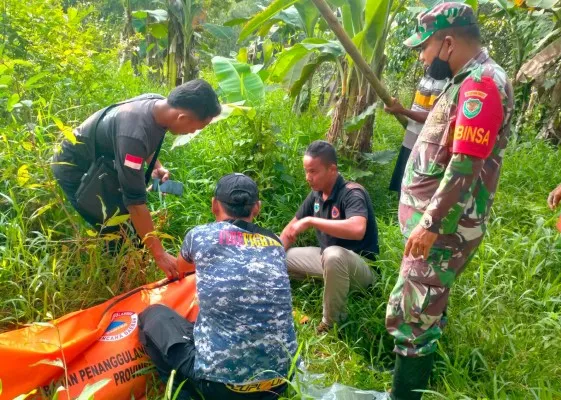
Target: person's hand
[(168, 264), (301, 225), (292, 230), (419, 243), (287, 236), (395, 108), (160, 173), (554, 197)]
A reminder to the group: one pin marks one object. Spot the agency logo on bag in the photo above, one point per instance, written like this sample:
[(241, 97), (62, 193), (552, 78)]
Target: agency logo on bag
[(122, 325)]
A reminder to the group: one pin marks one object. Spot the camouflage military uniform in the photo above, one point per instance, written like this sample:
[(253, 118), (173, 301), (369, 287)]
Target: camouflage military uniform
[(449, 185)]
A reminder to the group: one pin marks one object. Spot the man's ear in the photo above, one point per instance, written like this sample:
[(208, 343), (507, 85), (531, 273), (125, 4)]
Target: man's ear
[(182, 117), (451, 40), (215, 207), (256, 209)]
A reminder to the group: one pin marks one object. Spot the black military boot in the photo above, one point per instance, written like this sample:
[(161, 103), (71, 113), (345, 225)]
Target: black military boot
[(411, 373)]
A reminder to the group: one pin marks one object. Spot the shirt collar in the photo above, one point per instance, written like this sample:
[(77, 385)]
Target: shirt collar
[(339, 183), (479, 59)]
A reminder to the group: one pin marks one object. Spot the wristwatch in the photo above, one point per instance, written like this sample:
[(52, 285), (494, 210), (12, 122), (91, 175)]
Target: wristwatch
[(426, 222)]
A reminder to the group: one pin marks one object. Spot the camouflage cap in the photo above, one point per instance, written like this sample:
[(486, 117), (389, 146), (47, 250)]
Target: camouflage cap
[(442, 16)]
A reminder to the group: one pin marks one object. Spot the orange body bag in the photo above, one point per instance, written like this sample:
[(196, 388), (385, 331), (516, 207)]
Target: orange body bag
[(94, 344)]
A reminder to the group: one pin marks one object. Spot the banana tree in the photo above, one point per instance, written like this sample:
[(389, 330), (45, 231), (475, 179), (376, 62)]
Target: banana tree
[(542, 71), (128, 38), (238, 81), (153, 26), (185, 18), (367, 23), (294, 21), (533, 25)]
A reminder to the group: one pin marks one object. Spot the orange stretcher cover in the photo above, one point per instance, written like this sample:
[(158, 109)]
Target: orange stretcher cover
[(95, 344)]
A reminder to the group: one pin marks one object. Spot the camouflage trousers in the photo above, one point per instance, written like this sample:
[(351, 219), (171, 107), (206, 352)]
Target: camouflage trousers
[(414, 315)]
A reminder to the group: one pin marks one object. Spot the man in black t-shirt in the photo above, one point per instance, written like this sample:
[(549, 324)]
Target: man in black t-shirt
[(342, 215), (130, 134)]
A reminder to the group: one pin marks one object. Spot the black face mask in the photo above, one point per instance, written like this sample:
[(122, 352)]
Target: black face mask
[(440, 69)]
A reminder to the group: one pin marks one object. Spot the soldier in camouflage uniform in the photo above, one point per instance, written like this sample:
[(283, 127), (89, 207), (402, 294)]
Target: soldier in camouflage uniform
[(243, 342), (448, 187)]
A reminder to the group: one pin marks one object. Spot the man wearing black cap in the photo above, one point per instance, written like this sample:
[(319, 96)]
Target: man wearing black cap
[(243, 341)]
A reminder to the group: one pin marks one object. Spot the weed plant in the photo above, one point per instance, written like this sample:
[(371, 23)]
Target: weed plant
[(502, 340)]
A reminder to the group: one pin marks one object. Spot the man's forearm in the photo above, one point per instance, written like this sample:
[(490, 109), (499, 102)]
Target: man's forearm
[(142, 221), (417, 116), (353, 228), (157, 164)]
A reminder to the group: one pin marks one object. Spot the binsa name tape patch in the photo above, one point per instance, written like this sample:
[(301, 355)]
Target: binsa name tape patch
[(479, 117)]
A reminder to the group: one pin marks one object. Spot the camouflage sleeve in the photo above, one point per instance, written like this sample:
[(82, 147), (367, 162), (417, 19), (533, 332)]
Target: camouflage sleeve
[(187, 247), (448, 203), (478, 120)]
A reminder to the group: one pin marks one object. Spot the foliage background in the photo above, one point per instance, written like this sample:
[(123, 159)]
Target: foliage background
[(60, 60)]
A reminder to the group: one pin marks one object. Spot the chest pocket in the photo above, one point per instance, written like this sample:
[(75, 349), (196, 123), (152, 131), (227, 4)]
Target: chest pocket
[(438, 124), (433, 149)]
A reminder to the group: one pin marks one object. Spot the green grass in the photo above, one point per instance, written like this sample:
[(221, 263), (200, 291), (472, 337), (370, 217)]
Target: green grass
[(502, 340), (503, 337)]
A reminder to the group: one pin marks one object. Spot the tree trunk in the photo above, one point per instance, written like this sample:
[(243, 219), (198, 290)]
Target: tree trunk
[(335, 131), (191, 62), (366, 132), (127, 37), (552, 128), (359, 97), (355, 54), (325, 84)]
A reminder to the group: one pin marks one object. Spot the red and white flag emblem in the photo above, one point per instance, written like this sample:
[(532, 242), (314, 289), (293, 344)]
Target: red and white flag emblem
[(133, 162)]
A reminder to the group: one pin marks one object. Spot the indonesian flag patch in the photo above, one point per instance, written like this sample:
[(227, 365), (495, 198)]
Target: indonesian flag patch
[(133, 162), (479, 117)]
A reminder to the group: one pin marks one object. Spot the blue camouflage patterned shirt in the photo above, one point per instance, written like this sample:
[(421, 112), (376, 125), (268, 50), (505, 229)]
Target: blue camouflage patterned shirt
[(244, 331)]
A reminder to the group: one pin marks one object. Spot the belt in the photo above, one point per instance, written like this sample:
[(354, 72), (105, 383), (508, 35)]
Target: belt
[(261, 386)]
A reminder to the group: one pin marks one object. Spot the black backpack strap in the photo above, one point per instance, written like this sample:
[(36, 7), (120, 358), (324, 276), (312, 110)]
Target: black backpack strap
[(148, 172)]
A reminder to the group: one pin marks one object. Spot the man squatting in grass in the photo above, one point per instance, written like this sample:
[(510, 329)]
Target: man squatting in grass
[(342, 215), (449, 185), (243, 342), (130, 134), (427, 92)]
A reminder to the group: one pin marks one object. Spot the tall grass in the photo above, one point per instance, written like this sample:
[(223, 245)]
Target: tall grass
[(502, 340)]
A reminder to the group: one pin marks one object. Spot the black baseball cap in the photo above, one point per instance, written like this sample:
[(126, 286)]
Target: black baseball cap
[(236, 189)]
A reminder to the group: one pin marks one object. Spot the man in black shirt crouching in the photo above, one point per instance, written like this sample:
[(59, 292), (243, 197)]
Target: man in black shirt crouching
[(342, 215), (130, 134)]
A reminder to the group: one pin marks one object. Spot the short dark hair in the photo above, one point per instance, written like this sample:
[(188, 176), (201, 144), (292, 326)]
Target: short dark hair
[(196, 96), (242, 209), (468, 32), (322, 150)]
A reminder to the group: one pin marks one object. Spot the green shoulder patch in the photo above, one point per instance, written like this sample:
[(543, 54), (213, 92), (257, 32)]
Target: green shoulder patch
[(472, 108)]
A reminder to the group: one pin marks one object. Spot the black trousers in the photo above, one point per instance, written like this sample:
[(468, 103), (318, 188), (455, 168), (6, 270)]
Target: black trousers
[(399, 170), (168, 340), (68, 179)]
